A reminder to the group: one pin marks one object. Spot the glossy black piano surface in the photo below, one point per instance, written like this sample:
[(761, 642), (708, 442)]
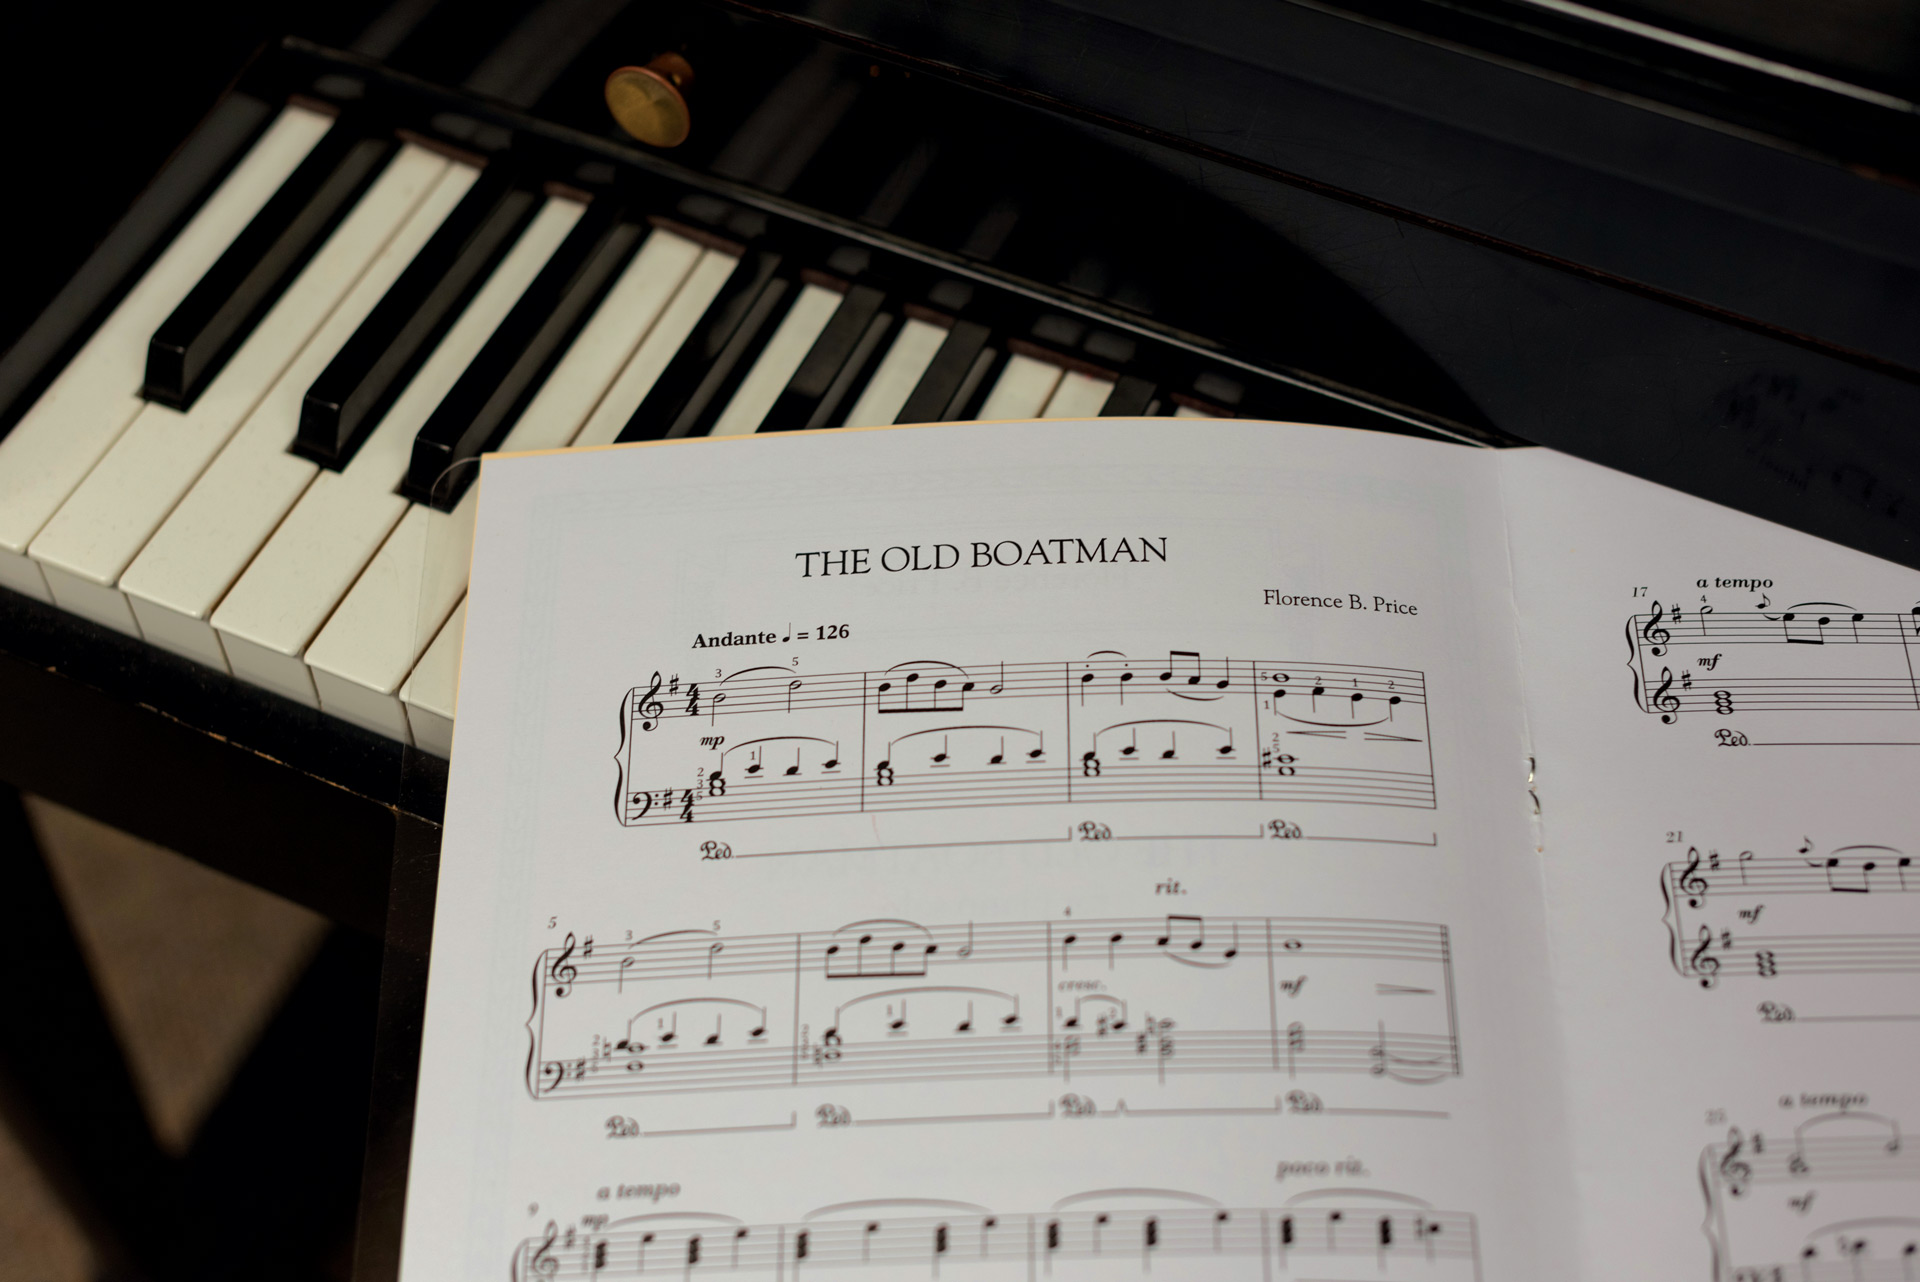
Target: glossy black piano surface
[(1496, 223)]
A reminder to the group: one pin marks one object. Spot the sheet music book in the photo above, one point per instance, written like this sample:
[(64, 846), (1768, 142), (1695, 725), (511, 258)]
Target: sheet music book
[(1138, 849)]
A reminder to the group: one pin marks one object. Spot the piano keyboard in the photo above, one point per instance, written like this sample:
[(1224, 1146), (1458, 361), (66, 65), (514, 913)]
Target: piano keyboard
[(261, 459)]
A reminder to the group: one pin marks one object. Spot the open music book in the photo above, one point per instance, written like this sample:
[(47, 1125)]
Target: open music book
[(1115, 849)]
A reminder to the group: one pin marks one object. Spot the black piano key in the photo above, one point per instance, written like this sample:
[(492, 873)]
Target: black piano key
[(694, 387), (849, 333), (1130, 397), (516, 360), (360, 383), (851, 381), (129, 249), (951, 375), (193, 344)]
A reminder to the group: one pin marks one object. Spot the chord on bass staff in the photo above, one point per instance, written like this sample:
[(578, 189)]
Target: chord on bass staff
[(1818, 656), (772, 741), (1363, 1235), (1847, 911), (1833, 1201), (896, 1001)]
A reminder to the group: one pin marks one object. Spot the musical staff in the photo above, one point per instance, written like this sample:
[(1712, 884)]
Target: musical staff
[(895, 1001), (1856, 1169), (771, 741), (1847, 911), (1818, 656), (1356, 1234)]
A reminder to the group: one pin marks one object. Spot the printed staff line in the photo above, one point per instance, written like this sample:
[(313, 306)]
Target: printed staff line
[(687, 954), (1422, 800), (1132, 1235), (796, 767)]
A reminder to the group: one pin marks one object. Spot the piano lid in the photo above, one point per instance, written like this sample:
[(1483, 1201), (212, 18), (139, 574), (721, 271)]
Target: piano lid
[(1694, 267)]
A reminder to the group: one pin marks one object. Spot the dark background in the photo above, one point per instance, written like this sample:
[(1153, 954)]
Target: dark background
[(95, 97)]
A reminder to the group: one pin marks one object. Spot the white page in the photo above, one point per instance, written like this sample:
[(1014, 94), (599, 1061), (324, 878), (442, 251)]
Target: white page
[(1736, 928), (1274, 1006)]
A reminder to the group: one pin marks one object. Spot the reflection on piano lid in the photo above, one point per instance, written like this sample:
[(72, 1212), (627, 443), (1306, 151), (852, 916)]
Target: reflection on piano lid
[(254, 446)]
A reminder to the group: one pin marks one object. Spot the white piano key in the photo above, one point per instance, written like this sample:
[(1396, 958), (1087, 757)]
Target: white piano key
[(400, 601), (54, 445), (771, 373), (363, 654), (100, 529), (1187, 411), (1021, 391), (899, 372), (296, 580), (179, 578), (1078, 396), (431, 692), (642, 370)]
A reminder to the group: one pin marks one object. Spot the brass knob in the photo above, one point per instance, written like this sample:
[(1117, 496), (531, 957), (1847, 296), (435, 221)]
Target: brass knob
[(648, 103)]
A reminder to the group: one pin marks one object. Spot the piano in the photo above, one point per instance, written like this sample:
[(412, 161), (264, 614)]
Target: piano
[(238, 450)]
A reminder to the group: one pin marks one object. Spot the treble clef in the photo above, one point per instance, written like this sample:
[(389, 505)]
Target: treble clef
[(650, 707), (1733, 1170), (1692, 884), (563, 971), (1655, 636), (1708, 968), (541, 1262), (1667, 703)]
